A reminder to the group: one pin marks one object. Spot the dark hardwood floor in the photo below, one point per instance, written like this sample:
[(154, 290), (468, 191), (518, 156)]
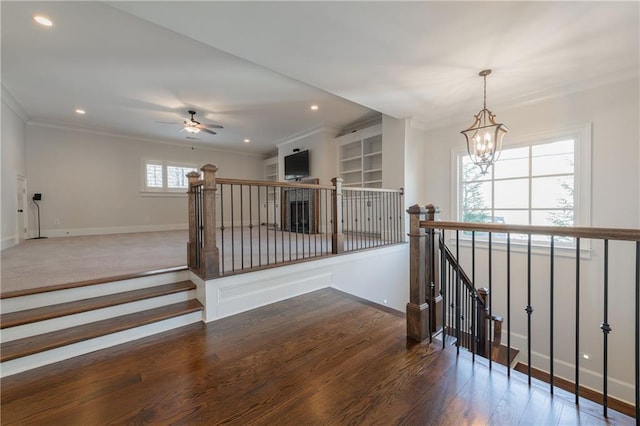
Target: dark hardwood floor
[(321, 358)]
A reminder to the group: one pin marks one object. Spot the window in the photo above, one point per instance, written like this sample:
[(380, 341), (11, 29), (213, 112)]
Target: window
[(163, 176), (537, 183)]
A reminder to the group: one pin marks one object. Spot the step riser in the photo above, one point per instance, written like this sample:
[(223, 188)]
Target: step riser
[(38, 300), (40, 359), (28, 330)]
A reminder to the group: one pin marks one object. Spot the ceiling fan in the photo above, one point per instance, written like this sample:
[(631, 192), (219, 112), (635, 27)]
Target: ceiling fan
[(193, 126)]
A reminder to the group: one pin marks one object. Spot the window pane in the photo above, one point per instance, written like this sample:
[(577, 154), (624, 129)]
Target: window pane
[(177, 176), (552, 217), (512, 193), (512, 217), (552, 164), (552, 192), (472, 172), (476, 195), (561, 147), (154, 176), (512, 162), (482, 216)]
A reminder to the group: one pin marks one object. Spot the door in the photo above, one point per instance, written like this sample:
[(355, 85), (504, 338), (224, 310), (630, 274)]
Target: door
[(22, 218)]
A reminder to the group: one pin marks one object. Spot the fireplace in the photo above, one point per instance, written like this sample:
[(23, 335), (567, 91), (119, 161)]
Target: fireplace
[(300, 212)]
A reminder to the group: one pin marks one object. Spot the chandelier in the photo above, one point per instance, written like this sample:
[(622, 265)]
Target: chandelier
[(484, 137)]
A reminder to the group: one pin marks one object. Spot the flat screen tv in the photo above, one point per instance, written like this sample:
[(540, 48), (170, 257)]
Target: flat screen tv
[(296, 165)]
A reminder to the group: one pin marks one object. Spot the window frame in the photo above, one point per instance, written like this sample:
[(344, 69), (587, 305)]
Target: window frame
[(582, 137), (164, 190)]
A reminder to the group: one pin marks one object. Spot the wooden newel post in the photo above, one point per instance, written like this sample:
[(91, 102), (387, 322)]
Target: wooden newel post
[(417, 308), (192, 263), (209, 256), (482, 322), (434, 296), (337, 238)]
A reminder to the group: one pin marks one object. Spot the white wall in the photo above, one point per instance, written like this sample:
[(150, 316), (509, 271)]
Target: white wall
[(322, 154), (91, 182), (613, 113), (13, 164)]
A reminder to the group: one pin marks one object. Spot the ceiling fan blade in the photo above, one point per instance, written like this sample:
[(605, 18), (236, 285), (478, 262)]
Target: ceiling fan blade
[(212, 126), (211, 132), (166, 122)]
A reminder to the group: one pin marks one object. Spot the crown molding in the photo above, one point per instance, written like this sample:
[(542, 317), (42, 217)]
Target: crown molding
[(13, 104), (162, 141), (306, 133)]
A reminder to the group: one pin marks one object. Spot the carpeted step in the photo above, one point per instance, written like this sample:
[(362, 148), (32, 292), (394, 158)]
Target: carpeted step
[(56, 339), (54, 311)]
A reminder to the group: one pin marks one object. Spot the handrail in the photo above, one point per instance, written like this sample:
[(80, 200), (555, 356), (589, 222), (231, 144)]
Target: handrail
[(578, 232), (351, 188), (227, 181), (463, 275)]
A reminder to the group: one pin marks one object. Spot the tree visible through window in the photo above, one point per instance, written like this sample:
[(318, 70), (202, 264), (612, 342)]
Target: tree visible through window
[(529, 185)]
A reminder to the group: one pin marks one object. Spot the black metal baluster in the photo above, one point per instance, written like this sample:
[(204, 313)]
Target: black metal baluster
[(489, 331), (316, 225), (259, 229), (529, 309), (275, 228), (251, 226), (222, 227), (508, 305), (551, 305), (279, 190), (443, 286), (577, 354), (266, 196), (457, 308), (606, 328), (637, 326), (326, 216), (241, 230), (233, 234), (474, 333), (297, 222)]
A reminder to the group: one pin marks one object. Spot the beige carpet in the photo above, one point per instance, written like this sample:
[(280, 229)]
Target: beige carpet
[(51, 261)]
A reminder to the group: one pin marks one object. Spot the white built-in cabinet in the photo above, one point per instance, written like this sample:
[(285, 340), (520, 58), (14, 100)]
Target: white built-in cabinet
[(270, 196), (360, 158)]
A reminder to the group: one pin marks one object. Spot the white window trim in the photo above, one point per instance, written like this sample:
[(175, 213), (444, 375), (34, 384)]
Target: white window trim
[(164, 191), (582, 136)]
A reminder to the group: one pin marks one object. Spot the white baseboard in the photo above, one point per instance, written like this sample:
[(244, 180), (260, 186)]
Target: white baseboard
[(72, 232), (9, 242)]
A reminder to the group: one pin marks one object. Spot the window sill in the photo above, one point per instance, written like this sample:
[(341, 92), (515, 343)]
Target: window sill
[(162, 194), (520, 247)]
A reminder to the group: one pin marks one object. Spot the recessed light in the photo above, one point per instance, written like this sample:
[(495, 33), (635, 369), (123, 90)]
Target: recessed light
[(43, 20), (247, 140), (314, 107), (81, 111)]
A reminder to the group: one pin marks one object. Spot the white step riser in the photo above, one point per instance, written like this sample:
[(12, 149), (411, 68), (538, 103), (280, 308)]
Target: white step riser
[(19, 365), (38, 300), (28, 330)]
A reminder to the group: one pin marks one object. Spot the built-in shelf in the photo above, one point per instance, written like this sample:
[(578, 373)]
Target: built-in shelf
[(361, 152)]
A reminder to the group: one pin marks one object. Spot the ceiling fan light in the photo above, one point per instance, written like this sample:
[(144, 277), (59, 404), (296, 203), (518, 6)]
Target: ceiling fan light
[(192, 129)]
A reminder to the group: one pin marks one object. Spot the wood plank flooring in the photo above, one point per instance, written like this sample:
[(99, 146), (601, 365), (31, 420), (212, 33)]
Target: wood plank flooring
[(321, 358)]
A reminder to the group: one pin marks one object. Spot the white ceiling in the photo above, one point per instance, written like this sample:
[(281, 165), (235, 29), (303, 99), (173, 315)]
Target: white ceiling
[(139, 62)]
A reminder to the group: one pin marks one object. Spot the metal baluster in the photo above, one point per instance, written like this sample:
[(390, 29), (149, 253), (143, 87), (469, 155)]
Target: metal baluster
[(474, 333), (577, 354), (457, 308), (489, 331), (222, 228), (251, 226), (275, 228), (315, 225), (443, 287), (508, 305), (605, 327), (266, 196), (529, 309), (241, 230), (233, 250), (259, 229), (551, 283), (297, 222), (279, 191), (637, 333)]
